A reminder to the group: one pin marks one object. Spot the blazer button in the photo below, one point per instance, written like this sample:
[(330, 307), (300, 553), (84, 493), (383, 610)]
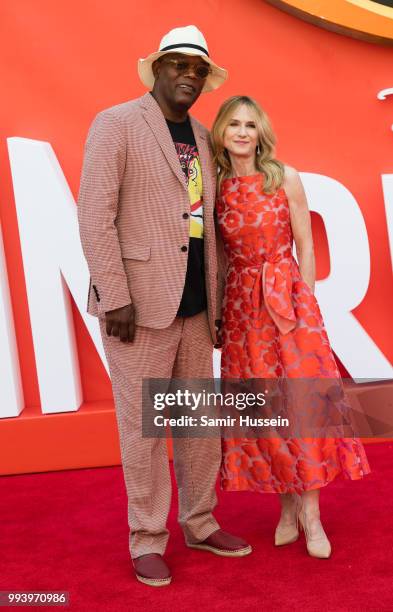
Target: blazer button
[(185, 215), (184, 248)]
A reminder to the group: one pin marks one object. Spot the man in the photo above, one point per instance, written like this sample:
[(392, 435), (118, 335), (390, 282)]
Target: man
[(146, 222)]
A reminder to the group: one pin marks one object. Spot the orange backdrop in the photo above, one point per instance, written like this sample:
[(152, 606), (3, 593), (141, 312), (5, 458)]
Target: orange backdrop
[(61, 62)]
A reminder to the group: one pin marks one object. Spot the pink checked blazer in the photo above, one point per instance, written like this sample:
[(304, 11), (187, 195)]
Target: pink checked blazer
[(132, 199)]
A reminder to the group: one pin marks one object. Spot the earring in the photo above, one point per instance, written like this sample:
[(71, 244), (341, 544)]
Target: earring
[(258, 149)]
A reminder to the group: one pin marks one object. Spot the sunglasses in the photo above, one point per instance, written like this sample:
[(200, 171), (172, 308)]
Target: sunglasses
[(201, 71)]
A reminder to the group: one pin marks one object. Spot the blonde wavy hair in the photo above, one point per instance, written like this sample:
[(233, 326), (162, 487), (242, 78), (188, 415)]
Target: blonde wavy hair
[(265, 161)]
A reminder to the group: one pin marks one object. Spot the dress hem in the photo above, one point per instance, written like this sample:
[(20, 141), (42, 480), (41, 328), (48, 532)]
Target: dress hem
[(282, 490)]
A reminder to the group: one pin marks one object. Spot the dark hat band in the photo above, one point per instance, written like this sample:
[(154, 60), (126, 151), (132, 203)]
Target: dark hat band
[(182, 45)]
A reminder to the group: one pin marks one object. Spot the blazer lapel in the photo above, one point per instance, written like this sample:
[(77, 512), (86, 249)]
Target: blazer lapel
[(156, 120), (206, 165)]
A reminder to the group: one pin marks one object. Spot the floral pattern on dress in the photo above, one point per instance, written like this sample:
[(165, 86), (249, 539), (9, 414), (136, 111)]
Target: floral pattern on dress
[(272, 327)]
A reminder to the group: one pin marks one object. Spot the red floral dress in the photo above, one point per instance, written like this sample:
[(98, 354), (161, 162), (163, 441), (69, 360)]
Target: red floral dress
[(272, 327)]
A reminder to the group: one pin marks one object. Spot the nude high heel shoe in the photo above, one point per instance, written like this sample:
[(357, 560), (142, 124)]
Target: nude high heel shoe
[(286, 534), (318, 546)]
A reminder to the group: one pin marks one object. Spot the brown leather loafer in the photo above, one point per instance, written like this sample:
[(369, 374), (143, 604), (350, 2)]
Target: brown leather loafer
[(223, 544), (151, 569)]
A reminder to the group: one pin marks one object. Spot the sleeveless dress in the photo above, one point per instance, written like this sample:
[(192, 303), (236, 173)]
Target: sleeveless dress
[(272, 327)]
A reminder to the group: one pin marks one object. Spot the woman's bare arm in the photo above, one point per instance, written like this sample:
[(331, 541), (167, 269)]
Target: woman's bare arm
[(301, 225)]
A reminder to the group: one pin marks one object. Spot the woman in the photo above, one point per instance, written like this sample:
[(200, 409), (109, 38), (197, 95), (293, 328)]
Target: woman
[(271, 324)]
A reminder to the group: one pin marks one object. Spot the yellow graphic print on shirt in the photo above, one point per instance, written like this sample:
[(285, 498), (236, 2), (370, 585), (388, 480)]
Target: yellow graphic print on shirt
[(189, 161)]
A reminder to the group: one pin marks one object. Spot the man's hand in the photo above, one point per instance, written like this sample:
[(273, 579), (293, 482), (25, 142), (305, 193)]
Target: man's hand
[(121, 322)]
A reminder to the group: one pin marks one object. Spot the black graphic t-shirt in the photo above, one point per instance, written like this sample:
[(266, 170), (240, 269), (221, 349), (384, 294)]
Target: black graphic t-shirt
[(194, 298)]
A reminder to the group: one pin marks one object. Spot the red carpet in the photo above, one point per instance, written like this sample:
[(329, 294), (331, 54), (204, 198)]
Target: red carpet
[(68, 531)]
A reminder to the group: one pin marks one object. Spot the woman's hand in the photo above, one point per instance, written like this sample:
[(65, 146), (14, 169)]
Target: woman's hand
[(218, 324)]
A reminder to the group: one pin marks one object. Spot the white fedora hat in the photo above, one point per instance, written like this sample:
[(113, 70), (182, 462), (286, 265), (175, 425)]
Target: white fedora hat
[(190, 41)]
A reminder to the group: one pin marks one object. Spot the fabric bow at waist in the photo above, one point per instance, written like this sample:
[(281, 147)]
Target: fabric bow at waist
[(273, 286)]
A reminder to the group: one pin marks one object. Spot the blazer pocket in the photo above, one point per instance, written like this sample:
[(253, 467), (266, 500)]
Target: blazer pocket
[(140, 252)]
